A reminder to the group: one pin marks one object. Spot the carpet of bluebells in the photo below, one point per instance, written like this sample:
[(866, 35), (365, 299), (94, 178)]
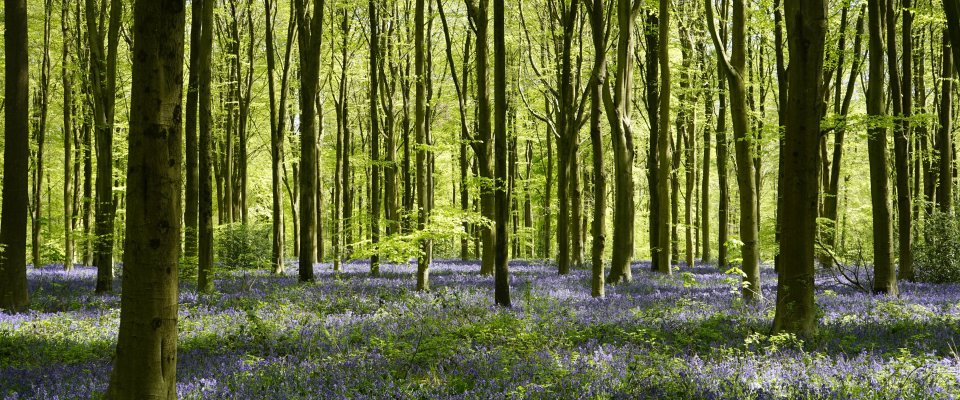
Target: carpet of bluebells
[(348, 335)]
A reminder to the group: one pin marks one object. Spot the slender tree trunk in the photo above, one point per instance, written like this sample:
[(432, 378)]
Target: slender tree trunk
[(501, 274), (205, 155), (806, 31), (483, 143), (374, 136), (598, 28), (423, 206), (663, 143), (103, 71), (884, 278), (706, 251), (652, 100), (734, 68), (945, 136), (146, 360), (901, 137), (192, 190), (68, 162), (41, 97), (13, 226)]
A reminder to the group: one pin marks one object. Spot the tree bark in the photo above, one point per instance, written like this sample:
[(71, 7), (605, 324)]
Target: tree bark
[(68, 161), (205, 155), (420, 120), (310, 30), (502, 273), (884, 278), (40, 108), (483, 140), (944, 134), (103, 72), (146, 360), (374, 137), (734, 67), (13, 226), (806, 31), (598, 29)]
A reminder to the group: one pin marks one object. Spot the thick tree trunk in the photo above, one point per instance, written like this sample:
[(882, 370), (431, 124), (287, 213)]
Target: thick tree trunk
[(16, 157), (483, 143), (806, 31), (146, 360), (309, 38)]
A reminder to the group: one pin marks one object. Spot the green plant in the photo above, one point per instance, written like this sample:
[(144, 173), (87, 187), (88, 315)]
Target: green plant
[(241, 246), (937, 257)]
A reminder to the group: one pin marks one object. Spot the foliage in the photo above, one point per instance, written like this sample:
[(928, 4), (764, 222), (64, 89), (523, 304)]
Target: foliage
[(938, 255), (240, 246)]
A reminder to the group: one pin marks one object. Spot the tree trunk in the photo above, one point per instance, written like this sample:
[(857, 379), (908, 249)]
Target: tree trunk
[(663, 143), (309, 38), (944, 135), (205, 155), (652, 102), (41, 103), (901, 137), (884, 278), (192, 190), (103, 72), (598, 27), (483, 140), (423, 206), (734, 68), (146, 360), (501, 274), (806, 31), (68, 162), (16, 157), (374, 137)]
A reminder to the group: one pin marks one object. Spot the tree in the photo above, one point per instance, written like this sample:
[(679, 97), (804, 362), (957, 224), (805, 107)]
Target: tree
[(662, 262), (618, 104), (806, 22), (483, 139), (952, 9), (884, 281), (374, 136), (191, 214), (734, 67), (309, 30), (205, 190), (103, 76), (598, 32), (13, 224), (146, 360), (420, 122), (944, 134), (502, 272), (41, 107), (68, 162)]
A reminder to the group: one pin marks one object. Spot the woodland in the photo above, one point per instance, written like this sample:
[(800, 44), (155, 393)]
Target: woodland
[(480, 199)]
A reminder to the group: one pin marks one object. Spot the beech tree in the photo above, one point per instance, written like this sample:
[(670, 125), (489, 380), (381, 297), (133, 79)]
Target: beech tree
[(146, 360), (13, 224)]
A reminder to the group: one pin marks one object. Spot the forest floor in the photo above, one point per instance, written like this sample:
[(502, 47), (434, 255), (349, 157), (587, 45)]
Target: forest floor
[(352, 336)]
